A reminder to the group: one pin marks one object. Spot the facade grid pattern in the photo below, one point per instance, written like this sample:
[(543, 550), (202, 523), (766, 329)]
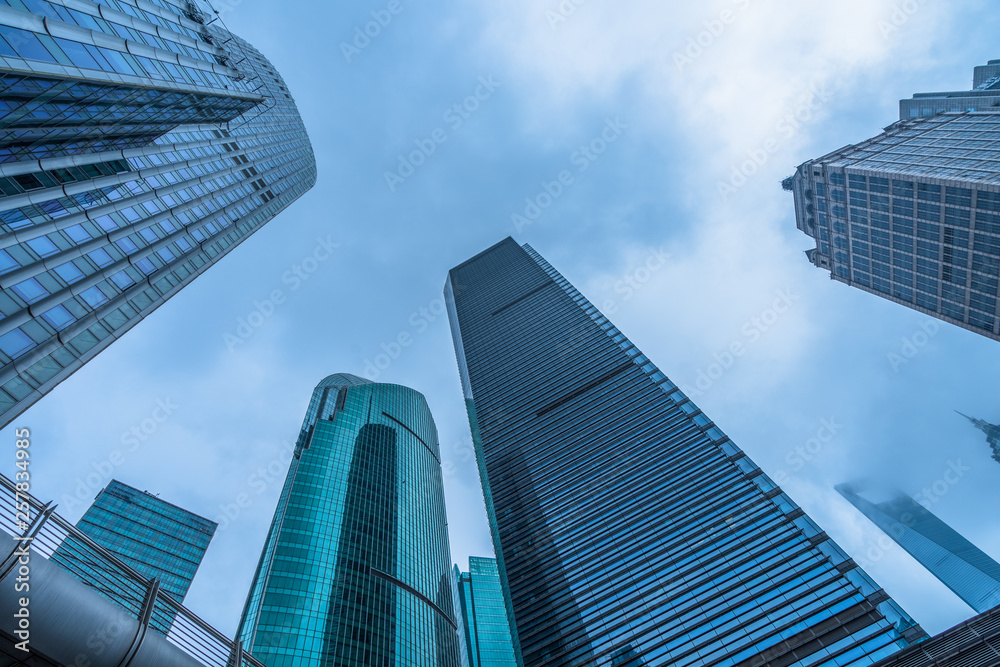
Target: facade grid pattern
[(913, 216), (138, 145)]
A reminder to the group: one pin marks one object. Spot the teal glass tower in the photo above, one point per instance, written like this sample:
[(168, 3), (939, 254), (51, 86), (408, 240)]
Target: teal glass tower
[(486, 632), (155, 538), (140, 142), (628, 528), (356, 566), (958, 563)]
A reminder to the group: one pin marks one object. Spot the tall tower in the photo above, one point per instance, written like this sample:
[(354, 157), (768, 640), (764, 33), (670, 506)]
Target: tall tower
[(913, 214), (486, 630), (959, 564), (628, 528), (139, 143), (356, 566), (155, 538), (992, 432)]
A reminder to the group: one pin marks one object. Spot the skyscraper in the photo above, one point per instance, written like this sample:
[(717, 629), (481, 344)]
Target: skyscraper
[(959, 564), (628, 528), (985, 94), (485, 627), (913, 215), (140, 142), (974, 643), (356, 566), (992, 432), (155, 538)]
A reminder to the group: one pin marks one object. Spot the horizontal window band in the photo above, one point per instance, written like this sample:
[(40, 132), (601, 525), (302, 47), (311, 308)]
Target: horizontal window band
[(522, 298), (585, 388), (413, 433), (413, 591)]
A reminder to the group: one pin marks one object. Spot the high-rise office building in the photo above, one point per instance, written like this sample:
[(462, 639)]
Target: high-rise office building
[(913, 214), (974, 643), (140, 142), (628, 529), (959, 564), (992, 432), (985, 93), (486, 631), (155, 538), (356, 569)]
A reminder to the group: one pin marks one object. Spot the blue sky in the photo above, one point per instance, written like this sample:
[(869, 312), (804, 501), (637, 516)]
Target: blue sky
[(631, 118)]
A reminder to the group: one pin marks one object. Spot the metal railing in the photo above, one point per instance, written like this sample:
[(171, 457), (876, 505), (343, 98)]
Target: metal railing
[(156, 611)]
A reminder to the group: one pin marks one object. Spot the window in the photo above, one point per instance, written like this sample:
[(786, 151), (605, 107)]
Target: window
[(15, 343), (145, 266), (929, 192), (100, 257), (122, 280), (107, 223), (94, 296), (77, 233), (7, 262), (69, 272), (30, 290), (44, 246), (126, 245), (59, 318)]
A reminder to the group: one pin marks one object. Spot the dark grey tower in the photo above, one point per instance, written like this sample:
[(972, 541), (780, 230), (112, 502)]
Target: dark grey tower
[(140, 142), (628, 528)]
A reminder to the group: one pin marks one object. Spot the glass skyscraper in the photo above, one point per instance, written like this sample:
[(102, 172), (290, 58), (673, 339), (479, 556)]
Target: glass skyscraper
[(486, 630), (356, 566), (959, 564), (628, 529), (155, 538), (992, 432), (913, 215), (140, 142)]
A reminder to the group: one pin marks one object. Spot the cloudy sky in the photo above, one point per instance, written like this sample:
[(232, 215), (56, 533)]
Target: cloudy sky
[(690, 92)]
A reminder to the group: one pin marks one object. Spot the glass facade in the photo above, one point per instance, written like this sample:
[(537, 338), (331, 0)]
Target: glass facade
[(484, 615), (974, 643), (139, 143), (959, 564), (913, 215), (155, 538), (628, 529), (356, 566)]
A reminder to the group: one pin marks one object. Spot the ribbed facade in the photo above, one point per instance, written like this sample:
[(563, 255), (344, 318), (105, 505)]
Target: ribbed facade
[(486, 631), (356, 567), (140, 142), (959, 564), (629, 530)]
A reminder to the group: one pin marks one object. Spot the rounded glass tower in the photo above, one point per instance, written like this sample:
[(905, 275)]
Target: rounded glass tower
[(356, 567)]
